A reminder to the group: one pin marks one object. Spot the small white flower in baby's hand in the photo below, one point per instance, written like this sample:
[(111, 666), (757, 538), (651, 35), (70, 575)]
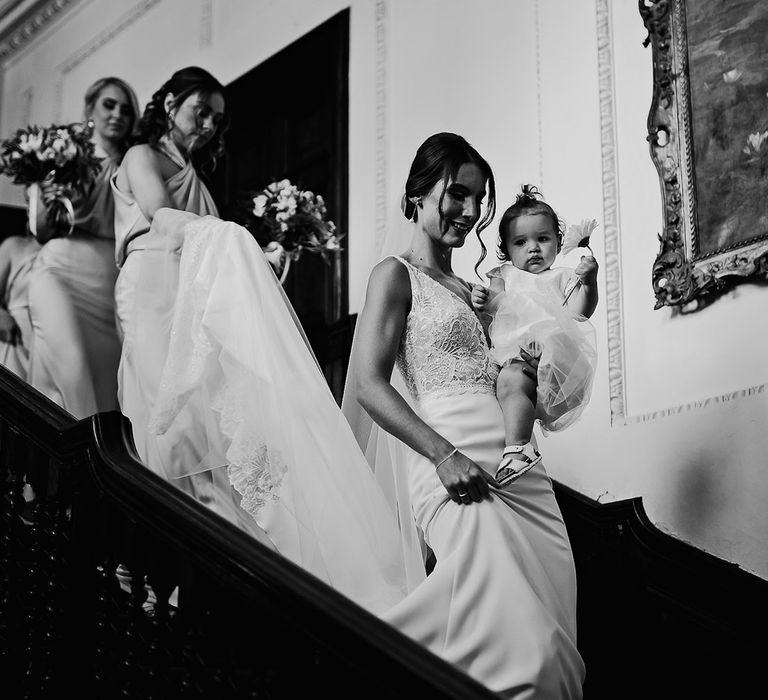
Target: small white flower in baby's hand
[(577, 236)]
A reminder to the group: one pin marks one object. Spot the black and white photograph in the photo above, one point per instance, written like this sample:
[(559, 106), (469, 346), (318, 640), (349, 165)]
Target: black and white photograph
[(388, 349)]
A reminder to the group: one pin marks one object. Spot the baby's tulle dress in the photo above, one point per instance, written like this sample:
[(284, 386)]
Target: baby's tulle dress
[(530, 314)]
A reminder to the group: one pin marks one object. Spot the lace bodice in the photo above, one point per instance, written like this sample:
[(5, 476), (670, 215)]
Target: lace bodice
[(443, 349)]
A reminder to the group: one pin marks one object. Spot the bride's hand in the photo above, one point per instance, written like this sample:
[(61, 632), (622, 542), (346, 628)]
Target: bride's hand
[(531, 365), (9, 329), (464, 481)]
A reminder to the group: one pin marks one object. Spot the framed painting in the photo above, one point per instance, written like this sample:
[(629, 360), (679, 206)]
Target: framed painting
[(708, 135)]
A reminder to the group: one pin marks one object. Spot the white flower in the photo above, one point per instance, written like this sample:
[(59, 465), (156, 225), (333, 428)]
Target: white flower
[(47, 154), (64, 148), (284, 184), (578, 235), (260, 205), (287, 202), (755, 143), (30, 142)]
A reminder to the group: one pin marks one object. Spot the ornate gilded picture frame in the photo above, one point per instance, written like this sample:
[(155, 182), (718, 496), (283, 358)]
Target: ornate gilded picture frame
[(708, 135)]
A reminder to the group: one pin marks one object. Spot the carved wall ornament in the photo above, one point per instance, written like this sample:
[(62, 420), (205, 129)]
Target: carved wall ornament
[(18, 33)]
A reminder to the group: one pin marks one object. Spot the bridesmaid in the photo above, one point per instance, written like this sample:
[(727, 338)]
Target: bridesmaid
[(75, 350), (17, 256), (182, 126), (180, 132)]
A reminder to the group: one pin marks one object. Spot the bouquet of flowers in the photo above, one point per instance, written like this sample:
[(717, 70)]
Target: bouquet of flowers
[(55, 161), (290, 221)]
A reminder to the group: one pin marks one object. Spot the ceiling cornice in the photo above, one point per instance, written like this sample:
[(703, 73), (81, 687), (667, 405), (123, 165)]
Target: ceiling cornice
[(22, 20), (7, 7)]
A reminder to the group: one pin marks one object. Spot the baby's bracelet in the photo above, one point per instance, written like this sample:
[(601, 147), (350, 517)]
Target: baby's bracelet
[(447, 457)]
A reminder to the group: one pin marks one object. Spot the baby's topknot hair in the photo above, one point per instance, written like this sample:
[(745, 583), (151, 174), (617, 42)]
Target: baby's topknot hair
[(528, 193)]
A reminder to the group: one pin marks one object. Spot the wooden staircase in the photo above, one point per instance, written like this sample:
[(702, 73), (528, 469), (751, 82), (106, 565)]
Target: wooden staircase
[(658, 618), (247, 623)]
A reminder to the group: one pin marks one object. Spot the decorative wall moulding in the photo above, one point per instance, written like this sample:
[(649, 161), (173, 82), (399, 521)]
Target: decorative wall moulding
[(7, 9), (18, 32), (380, 145), (610, 181), (206, 23), (94, 44)]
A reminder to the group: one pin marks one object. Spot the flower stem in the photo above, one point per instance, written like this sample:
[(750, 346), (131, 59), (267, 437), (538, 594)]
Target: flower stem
[(571, 291)]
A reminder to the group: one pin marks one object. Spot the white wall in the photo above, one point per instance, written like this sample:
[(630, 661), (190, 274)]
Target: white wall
[(689, 429), (554, 92)]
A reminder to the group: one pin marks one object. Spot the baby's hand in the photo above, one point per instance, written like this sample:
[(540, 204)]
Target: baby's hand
[(479, 297), (586, 270)]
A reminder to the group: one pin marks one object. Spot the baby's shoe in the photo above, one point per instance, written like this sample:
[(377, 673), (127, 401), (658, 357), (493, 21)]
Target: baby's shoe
[(515, 461)]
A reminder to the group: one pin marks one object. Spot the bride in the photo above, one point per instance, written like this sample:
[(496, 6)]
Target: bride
[(500, 602), (227, 401)]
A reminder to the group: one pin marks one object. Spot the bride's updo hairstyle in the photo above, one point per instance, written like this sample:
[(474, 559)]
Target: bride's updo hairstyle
[(183, 83), (438, 159), (528, 203)]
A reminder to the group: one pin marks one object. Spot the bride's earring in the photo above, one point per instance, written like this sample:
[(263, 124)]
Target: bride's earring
[(171, 117), (90, 124), (415, 203)]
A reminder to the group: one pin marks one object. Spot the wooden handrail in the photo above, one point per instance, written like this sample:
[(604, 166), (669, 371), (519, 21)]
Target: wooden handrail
[(44, 423), (218, 563), (239, 561)]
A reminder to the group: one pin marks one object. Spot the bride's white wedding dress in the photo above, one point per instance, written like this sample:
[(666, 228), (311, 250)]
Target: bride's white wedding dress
[(240, 403), (501, 601), (241, 396)]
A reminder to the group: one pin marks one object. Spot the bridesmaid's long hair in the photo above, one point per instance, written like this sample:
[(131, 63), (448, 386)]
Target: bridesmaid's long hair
[(183, 83), (93, 92), (439, 159)]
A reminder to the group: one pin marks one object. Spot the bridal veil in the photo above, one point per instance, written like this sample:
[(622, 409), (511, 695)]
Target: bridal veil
[(241, 395)]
